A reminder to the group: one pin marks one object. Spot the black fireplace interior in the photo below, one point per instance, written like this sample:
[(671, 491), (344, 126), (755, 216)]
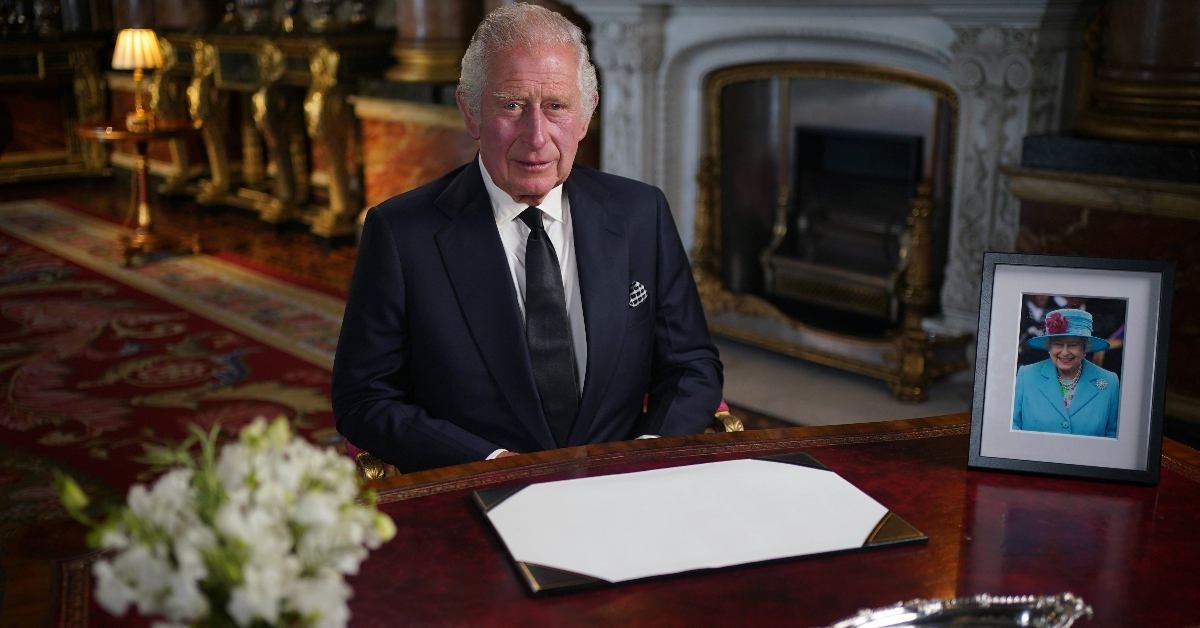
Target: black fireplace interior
[(852, 199)]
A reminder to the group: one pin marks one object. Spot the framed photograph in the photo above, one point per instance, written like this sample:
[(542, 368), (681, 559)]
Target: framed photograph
[(1070, 371)]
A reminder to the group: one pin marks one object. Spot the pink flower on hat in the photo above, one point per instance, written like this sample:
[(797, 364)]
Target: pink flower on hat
[(1056, 323)]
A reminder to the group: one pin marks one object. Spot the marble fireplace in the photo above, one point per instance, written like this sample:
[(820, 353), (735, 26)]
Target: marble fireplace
[(1005, 65)]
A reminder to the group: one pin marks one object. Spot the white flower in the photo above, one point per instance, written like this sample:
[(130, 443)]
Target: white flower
[(287, 528), (112, 594), (262, 590), (144, 571), (315, 509), (258, 529), (114, 539), (184, 600), (323, 598), (189, 545), (233, 467)]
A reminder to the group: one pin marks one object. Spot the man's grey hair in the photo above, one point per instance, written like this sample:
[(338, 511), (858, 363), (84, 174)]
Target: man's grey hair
[(526, 25)]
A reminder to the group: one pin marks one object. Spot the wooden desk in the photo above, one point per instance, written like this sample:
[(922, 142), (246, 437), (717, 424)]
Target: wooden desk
[(1132, 552)]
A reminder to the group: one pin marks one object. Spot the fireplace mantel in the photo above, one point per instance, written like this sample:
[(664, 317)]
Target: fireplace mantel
[(1008, 61)]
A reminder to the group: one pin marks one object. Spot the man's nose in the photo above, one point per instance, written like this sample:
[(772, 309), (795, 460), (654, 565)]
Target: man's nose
[(534, 131)]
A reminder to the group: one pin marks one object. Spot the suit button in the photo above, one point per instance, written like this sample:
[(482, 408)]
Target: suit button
[(1066, 425)]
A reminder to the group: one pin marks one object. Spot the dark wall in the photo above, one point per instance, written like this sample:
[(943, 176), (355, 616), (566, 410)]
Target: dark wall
[(133, 14)]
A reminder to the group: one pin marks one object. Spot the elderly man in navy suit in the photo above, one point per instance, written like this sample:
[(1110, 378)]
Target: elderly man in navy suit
[(519, 303)]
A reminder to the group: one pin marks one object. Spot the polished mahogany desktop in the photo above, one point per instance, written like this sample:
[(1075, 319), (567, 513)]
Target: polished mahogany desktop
[(1132, 552)]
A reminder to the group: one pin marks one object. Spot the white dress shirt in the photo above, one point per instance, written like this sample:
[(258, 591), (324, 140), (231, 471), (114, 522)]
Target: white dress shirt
[(514, 235)]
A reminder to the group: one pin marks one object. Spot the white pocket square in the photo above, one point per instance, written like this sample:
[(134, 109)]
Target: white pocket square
[(637, 294)]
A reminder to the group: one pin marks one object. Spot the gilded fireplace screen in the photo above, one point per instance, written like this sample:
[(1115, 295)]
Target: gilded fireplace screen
[(823, 215)]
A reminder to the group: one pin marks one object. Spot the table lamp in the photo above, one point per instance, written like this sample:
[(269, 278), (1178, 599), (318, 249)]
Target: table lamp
[(137, 49)]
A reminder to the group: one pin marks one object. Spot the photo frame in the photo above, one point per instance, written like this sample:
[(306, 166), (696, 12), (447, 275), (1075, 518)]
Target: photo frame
[(1070, 371)]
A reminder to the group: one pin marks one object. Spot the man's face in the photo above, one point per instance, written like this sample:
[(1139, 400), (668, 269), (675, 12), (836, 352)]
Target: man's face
[(531, 120), (1067, 352)]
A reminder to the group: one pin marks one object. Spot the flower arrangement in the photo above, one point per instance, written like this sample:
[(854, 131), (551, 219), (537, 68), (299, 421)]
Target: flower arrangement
[(261, 534)]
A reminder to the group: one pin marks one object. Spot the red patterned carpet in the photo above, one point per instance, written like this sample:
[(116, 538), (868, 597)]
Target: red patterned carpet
[(97, 359)]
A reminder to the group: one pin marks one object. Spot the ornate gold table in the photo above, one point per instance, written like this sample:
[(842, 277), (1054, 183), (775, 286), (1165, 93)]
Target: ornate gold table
[(296, 131)]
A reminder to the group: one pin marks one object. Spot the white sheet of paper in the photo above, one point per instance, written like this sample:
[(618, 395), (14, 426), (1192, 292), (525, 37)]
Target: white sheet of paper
[(651, 523)]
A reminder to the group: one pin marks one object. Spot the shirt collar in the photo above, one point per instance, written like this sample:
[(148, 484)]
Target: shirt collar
[(506, 209)]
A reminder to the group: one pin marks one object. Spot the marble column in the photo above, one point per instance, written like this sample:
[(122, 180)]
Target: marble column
[(627, 46), (431, 37), (1146, 83)]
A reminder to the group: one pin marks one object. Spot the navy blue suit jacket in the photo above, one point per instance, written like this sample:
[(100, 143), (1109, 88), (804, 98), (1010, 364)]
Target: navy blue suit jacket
[(432, 367)]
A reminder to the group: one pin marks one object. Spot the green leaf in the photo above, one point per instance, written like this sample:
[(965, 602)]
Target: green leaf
[(384, 527), (72, 497)]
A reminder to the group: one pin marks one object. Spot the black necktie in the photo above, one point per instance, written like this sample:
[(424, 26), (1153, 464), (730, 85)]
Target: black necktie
[(548, 331)]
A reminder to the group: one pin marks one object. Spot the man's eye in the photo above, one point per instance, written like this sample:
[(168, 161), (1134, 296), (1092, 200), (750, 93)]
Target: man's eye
[(512, 106)]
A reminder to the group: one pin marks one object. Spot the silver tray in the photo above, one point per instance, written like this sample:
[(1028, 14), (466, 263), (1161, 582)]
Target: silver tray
[(981, 611)]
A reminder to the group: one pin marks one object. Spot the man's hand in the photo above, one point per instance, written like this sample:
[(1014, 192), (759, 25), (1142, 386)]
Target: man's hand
[(505, 454)]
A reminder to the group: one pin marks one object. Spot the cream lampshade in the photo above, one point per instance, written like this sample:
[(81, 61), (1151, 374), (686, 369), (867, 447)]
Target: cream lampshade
[(137, 49)]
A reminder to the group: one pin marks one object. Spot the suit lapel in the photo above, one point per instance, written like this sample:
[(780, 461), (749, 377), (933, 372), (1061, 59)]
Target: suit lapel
[(1050, 388), (602, 258), (1086, 389), (475, 262)]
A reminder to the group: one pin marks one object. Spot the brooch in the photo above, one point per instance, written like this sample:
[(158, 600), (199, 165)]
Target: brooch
[(1101, 384)]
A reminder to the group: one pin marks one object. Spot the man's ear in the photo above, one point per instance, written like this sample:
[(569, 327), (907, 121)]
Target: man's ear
[(468, 117)]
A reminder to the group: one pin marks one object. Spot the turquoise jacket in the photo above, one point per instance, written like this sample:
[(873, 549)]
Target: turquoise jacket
[(1038, 406)]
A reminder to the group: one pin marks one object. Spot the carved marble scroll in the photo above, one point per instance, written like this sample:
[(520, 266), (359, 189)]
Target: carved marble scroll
[(994, 69)]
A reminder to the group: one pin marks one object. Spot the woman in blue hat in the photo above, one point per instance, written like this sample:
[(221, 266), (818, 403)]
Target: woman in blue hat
[(1066, 393)]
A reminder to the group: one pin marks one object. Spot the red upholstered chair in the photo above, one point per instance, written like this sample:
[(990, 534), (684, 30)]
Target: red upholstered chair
[(372, 468)]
